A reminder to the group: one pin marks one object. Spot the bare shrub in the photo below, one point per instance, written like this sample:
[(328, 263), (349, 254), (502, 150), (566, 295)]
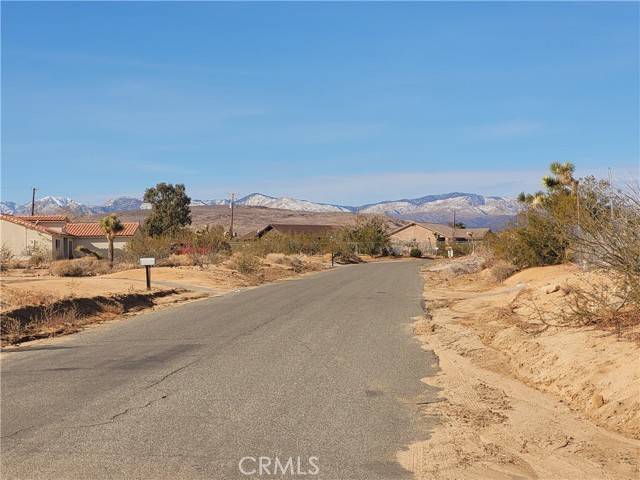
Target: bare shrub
[(608, 235), (502, 270), (79, 267), (246, 263), (38, 256), (6, 258)]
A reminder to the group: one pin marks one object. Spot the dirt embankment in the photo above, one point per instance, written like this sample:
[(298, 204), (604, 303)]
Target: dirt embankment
[(518, 400)]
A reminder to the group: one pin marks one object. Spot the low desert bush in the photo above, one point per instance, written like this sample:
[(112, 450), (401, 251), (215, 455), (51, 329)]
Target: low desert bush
[(79, 267), (6, 258), (142, 245), (415, 252), (38, 256), (245, 263), (501, 270), (175, 260)]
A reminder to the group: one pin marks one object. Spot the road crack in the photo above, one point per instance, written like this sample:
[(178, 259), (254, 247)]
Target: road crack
[(173, 372), (122, 413)]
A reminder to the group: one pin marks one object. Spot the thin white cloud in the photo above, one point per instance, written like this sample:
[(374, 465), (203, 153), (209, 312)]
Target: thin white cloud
[(501, 130)]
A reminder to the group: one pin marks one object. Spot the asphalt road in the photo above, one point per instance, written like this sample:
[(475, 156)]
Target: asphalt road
[(324, 366)]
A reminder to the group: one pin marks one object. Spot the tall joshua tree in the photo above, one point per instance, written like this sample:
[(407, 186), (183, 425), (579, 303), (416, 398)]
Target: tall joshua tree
[(111, 226)]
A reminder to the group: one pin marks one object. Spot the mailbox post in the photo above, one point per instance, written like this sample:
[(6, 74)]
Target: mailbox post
[(148, 263)]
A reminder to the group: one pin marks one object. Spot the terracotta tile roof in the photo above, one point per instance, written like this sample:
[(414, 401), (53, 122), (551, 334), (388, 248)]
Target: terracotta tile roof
[(93, 229), (29, 225), (43, 218)]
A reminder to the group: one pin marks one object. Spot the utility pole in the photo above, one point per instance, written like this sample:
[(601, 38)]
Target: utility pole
[(454, 226), (33, 201), (233, 197), (610, 196)]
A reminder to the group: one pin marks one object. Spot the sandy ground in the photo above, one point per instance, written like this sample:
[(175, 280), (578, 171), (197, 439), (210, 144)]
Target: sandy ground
[(562, 404), (34, 292), (21, 287)]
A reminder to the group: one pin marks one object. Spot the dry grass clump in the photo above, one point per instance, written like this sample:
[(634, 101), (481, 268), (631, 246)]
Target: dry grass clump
[(245, 263), (79, 267), (15, 298), (175, 260)]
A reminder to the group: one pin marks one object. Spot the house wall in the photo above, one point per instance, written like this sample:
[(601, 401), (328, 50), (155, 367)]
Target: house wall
[(414, 233), (19, 239), (100, 245)]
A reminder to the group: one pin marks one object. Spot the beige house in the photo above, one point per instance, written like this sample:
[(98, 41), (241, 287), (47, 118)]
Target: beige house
[(54, 234), (426, 236)]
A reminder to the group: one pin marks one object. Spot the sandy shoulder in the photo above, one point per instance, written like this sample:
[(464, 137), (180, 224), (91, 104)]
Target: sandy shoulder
[(513, 404)]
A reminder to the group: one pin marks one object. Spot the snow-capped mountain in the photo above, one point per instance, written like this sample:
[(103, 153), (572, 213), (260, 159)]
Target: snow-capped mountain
[(119, 204), (285, 203), (472, 209), (47, 205)]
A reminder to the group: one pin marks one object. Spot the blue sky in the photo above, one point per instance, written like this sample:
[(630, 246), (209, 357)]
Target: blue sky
[(343, 103)]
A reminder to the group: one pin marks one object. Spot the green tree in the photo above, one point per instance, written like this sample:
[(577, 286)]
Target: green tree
[(111, 226), (169, 209), (368, 236)]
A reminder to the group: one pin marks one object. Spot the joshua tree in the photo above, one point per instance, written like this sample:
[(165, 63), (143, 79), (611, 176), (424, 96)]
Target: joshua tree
[(531, 199), (561, 177), (111, 226)]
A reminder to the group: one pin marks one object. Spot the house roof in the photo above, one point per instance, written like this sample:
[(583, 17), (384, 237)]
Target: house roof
[(296, 229), (447, 231), (43, 218), (93, 229), (29, 225)]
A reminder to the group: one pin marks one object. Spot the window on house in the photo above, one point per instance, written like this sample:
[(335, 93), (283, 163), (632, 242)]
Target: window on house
[(57, 244)]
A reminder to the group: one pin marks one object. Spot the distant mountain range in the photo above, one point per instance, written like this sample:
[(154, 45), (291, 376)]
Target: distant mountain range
[(472, 209)]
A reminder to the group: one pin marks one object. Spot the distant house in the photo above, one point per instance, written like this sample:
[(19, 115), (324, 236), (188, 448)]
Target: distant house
[(291, 229), (22, 235), (427, 235)]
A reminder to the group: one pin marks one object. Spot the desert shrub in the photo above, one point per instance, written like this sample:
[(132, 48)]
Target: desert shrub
[(501, 270), (79, 267), (539, 236), (38, 256), (368, 237), (175, 260), (204, 246), (273, 242), (608, 235), (142, 245), (245, 263), (6, 258), (415, 252)]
